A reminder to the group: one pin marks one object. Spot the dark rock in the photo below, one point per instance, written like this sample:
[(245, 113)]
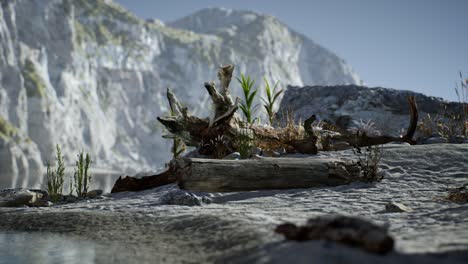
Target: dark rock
[(94, 193), (41, 203), (435, 140), (70, 198), (351, 231), (233, 156), (256, 151), (20, 197), (180, 197)]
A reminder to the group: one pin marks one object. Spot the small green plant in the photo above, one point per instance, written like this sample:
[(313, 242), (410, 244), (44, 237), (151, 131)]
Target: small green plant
[(247, 106), (272, 95), (245, 142), (55, 179), (368, 161), (81, 177)]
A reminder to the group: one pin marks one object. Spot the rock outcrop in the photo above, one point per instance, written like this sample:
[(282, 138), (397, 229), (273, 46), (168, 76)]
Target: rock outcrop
[(89, 75), (347, 105)]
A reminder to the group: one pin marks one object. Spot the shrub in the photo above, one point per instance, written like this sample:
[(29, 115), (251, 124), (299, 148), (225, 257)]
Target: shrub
[(81, 176), (55, 179), (247, 106), (272, 96), (368, 161)]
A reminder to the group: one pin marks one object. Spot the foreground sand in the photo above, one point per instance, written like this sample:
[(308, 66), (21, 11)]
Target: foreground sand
[(237, 227)]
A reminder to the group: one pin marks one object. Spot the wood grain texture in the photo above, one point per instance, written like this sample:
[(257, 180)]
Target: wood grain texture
[(211, 175)]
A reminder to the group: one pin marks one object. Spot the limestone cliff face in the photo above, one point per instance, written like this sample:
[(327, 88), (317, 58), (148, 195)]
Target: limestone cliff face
[(89, 75)]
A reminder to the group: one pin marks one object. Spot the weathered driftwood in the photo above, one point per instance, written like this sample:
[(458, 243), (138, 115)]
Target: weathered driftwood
[(133, 184), (195, 131), (211, 175), (350, 231)]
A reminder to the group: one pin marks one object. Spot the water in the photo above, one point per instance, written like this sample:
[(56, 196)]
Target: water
[(22, 247), (50, 248)]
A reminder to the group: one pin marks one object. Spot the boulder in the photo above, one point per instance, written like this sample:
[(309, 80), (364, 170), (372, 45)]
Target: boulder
[(94, 194), (20, 197), (180, 197), (350, 231)]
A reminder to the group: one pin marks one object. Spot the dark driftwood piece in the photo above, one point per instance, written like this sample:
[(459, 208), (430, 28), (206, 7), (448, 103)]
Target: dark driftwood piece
[(350, 231), (364, 140), (209, 175), (133, 184)]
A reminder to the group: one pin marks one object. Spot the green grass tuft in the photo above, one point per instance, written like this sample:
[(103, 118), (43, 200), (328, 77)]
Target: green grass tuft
[(55, 179), (272, 96), (247, 106), (81, 177)]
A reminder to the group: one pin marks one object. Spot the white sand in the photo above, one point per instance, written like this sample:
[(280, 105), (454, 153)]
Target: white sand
[(239, 226)]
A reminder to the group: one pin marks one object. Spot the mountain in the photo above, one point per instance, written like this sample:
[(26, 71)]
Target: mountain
[(89, 75)]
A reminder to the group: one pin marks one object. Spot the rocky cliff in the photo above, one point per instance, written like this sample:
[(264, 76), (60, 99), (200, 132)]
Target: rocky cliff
[(89, 75)]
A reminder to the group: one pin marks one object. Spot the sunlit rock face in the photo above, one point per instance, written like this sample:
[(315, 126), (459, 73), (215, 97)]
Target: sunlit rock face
[(89, 75)]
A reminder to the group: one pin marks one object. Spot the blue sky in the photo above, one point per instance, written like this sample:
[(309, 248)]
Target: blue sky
[(418, 45)]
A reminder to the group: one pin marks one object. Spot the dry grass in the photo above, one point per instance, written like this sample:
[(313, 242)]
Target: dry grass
[(447, 124), (444, 124), (461, 90), (368, 161), (220, 147)]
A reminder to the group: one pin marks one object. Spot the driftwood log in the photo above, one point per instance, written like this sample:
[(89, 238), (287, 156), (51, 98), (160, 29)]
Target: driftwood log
[(350, 231), (212, 175)]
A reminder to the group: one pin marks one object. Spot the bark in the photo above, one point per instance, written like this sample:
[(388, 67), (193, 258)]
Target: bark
[(210, 175), (133, 184)]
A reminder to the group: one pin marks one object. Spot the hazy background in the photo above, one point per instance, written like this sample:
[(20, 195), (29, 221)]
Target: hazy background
[(418, 45)]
